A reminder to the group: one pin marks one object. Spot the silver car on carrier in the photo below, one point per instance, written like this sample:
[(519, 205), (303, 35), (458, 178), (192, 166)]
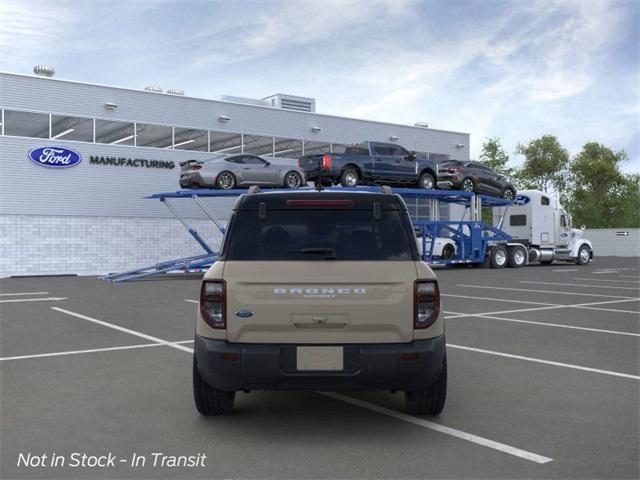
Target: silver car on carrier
[(241, 170)]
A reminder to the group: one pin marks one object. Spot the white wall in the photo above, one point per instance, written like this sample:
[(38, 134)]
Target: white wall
[(50, 245), (608, 242)]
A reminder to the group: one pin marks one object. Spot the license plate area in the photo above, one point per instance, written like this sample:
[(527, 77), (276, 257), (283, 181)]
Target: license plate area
[(319, 358)]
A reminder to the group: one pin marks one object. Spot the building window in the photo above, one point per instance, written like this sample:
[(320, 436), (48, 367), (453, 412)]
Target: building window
[(190, 139), (225, 142), (287, 148), (157, 136), (71, 128), (114, 133), (316, 148), (258, 145), (26, 124)]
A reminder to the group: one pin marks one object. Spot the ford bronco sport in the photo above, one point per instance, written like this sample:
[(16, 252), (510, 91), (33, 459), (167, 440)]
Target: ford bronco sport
[(319, 291)]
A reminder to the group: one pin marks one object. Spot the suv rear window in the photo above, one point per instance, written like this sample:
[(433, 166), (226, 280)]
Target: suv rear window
[(314, 234)]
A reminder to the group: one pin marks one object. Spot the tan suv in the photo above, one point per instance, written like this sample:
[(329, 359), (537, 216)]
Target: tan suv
[(319, 291)]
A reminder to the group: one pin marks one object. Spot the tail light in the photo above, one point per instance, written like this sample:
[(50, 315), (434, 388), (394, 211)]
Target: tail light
[(196, 167), (454, 170), (299, 163), (326, 161), (426, 303), (213, 304)]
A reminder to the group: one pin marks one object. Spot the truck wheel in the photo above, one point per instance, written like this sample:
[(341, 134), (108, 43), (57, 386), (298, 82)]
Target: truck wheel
[(584, 255), (427, 181), (499, 257), (209, 400), (349, 178), (429, 400), (517, 257)]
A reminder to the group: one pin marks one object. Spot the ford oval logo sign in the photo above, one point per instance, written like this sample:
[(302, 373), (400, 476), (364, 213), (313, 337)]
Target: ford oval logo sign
[(55, 157), (521, 200), (244, 313)]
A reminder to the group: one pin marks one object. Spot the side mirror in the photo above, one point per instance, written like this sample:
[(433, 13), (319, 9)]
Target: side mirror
[(266, 164), (583, 228), (412, 156)]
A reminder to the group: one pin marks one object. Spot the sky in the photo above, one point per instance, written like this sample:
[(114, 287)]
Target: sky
[(509, 69)]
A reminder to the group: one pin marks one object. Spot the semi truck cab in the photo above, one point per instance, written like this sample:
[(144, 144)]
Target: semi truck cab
[(538, 221)]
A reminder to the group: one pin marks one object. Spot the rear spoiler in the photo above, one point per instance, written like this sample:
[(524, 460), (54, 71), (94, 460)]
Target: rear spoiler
[(188, 162)]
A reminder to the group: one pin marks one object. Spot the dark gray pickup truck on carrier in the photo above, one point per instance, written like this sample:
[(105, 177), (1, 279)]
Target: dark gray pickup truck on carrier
[(371, 163)]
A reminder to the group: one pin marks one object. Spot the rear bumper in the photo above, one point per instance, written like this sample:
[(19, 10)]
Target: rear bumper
[(273, 366), (189, 180)]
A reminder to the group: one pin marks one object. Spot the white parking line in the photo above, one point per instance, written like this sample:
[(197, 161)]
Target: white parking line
[(546, 362), (545, 324), (529, 290), (123, 329), (581, 285), (628, 276), (91, 350), (191, 301), (23, 293), (500, 300), (469, 437), (20, 300), (587, 306), (567, 270), (604, 280)]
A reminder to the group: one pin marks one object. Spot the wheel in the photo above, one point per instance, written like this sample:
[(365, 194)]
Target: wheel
[(448, 251), (427, 181), (468, 185), (293, 180), (209, 400), (584, 255), (498, 257), (226, 180), (429, 400), (517, 257), (349, 178), (508, 194)]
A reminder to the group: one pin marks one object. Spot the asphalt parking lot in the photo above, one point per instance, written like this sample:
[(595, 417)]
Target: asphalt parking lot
[(543, 383)]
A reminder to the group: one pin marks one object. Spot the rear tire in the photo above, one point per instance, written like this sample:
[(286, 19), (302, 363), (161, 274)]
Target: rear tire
[(499, 257), (210, 400), (429, 400), (427, 181), (226, 180), (292, 180), (349, 178), (517, 257)]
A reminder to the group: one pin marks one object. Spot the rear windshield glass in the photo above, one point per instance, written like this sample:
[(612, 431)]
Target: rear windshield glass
[(319, 235), (356, 151)]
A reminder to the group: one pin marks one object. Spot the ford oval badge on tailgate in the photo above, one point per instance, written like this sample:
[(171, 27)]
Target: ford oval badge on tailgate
[(244, 314), (55, 157)]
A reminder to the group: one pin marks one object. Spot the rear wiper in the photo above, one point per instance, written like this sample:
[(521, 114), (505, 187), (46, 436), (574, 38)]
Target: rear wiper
[(330, 253)]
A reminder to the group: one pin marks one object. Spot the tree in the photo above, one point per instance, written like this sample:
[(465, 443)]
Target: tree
[(545, 164), (600, 195), (495, 157)]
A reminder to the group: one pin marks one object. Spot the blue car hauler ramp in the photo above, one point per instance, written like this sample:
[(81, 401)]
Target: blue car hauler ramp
[(471, 237)]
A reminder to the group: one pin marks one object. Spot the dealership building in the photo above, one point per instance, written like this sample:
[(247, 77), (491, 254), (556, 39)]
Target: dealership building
[(91, 217)]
